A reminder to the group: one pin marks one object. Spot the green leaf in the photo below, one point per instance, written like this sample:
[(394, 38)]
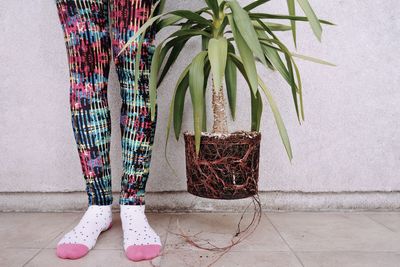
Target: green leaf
[(292, 12), (191, 16), (222, 27), (289, 60), (300, 88), (176, 109), (278, 16), (255, 4), (256, 111), (179, 100), (213, 4), (159, 7), (277, 62), (207, 69), (313, 59), (293, 85), (256, 106), (154, 69), (272, 55), (278, 119), (278, 27), (314, 22), (177, 44), (231, 82), (217, 54), (246, 29), (189, 32), (196, 83), (288, 75), (162, 23), (247, 57), (204, 43), (175, 52)]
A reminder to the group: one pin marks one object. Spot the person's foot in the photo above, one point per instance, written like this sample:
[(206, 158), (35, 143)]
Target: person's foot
[(82, 238), (141, 242)]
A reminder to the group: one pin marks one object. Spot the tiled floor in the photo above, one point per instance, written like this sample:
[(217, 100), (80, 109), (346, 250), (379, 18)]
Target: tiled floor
[(281, 239)]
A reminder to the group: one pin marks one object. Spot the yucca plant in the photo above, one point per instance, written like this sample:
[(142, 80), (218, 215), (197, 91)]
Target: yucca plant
[(233, 38)]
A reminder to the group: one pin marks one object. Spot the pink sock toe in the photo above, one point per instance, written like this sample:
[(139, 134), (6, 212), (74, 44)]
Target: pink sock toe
[(71, 251), (142, 252)]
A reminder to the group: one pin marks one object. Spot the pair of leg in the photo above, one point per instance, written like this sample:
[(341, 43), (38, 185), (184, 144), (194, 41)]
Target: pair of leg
[(88, 41), (92, 28)]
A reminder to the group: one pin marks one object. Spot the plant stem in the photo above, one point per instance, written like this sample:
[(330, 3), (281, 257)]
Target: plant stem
[(220, 124)]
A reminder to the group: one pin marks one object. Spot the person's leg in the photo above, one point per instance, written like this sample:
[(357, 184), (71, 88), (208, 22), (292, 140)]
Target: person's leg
[(137, 129), (88, 44)]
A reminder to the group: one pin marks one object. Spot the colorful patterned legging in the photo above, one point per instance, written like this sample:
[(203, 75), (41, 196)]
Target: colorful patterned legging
[(89, 41)]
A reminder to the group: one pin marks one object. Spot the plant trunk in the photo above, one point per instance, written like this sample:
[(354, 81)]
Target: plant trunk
[(220, 124)]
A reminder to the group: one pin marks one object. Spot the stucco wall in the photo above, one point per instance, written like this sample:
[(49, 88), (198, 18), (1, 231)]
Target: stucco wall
[(349, 142)]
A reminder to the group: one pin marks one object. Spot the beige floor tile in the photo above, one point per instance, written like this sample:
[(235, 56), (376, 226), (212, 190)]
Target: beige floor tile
[(389, 219), (98, 258), (319, 239), (199, 258), (349, 259), (112, 238), (264, 238), (32, 230), (219, 228), (11, 257), (334, 231)]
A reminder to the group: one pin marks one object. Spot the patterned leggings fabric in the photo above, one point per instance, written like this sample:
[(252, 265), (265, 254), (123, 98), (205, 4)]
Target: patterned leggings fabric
[(91, 29)]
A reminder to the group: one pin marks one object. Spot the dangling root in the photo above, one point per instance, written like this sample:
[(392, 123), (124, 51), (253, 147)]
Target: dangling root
[(238, 237)]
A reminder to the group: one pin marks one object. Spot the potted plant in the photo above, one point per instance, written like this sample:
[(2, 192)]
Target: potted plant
[(235, 39)]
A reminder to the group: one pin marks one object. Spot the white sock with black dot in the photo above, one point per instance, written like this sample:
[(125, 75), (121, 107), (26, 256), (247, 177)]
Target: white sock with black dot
[(141, 242), (77, 242)]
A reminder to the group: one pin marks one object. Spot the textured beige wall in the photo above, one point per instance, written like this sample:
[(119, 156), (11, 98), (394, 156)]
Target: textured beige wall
[(350, 140)]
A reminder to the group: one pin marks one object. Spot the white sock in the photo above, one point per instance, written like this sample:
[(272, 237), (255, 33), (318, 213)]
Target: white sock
[(96, 219), (138, 233)]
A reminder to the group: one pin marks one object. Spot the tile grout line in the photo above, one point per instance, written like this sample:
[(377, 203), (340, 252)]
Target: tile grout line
[(381, 224), (169, 225), (74, 222), (284, 240), (40, 250), (166, 240), (48, 243)]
